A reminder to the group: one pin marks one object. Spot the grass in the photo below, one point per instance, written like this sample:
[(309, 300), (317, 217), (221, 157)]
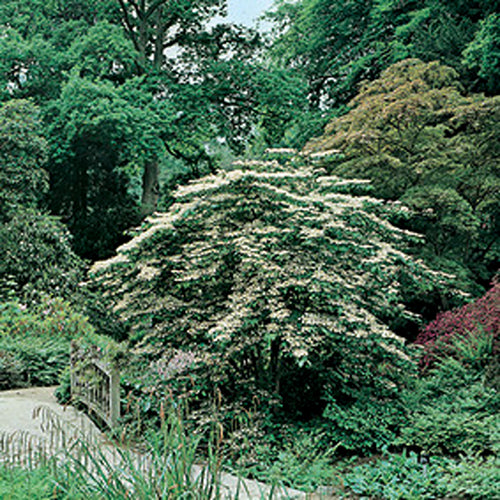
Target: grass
[(73, 465)]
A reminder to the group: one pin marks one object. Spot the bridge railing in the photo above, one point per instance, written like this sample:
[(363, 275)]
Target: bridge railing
[(95, 384)]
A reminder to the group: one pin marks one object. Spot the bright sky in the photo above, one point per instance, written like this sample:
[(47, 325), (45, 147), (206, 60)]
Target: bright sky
[(246, 11)]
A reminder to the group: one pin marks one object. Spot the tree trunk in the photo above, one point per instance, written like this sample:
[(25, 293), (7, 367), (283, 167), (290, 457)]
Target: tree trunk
[(159, 40), (150, 188), (276, 365), (143, 43)]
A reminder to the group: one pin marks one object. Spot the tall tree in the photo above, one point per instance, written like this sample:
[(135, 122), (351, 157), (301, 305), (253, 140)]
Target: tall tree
[(322, 39), (36, 40), (421, 141), (23, 151), (157, 25), (154, 27), (205, 76), (98, 139), (483, 54), (338, 44)]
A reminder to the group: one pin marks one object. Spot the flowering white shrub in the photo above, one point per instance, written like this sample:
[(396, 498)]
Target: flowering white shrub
[(268, 275)]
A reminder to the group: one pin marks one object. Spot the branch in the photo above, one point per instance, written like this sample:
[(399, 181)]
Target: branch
[(137, 9), (159, 41), (152, 8), (172, 41), (128, 24), (481, 253), (247, 103), (177, 154)]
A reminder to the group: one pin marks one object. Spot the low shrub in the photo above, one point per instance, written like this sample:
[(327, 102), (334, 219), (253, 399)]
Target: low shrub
[(302, 460), (365, 424), (451, 428), (37, 258), (63, 391), (452, 408), (35, 341), (473, 478), (396, 477), (469, 333), (51, 318), (11, 371), (32, 361), (409, 477)]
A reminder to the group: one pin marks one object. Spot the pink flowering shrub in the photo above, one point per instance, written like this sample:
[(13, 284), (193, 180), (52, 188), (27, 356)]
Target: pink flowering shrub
[(472, 325)]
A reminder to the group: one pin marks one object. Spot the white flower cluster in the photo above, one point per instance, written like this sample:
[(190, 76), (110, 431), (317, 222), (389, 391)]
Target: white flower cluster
[(244, 252)]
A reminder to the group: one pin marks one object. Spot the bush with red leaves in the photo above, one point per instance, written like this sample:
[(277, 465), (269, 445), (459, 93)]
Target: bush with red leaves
[(469, 326)]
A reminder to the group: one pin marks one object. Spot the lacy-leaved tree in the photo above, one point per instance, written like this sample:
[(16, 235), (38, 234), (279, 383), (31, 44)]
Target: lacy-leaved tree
[(420, 141)]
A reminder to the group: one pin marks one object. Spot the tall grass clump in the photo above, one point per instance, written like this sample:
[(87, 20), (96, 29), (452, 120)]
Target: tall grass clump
[(163, 467), (68, 463)]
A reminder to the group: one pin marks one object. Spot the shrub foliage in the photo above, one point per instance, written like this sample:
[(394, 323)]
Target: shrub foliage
[(37, 258), (450, 333), (35, 341), (271, 284)]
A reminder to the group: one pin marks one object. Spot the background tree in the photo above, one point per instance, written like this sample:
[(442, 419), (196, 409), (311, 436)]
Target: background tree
[(36, 41), (444, 31), (23, 150), (98, 142), (321, 38), (154, 26), (336, 45), (420, 141), (192, 84), (483, 54)]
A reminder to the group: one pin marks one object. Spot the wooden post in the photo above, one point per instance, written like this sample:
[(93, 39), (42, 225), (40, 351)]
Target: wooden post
[(95, 384), (114, 396)]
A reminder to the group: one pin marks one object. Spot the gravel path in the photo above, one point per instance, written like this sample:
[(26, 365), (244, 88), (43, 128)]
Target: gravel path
[(17, 408)]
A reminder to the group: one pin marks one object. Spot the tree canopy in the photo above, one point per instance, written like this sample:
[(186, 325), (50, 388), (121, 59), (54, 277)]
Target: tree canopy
[(337, 45), (183, 82), (23, 151), (272, 271), (420, 141)]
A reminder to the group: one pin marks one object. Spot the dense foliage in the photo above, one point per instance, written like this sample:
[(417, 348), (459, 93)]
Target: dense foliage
[(448, 417), (422, 142), (398, 477), (280, 290), (127, 87), (23, 181), (338, 44), (38, 258), (264, 276), (34, 341), (37, 251)]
